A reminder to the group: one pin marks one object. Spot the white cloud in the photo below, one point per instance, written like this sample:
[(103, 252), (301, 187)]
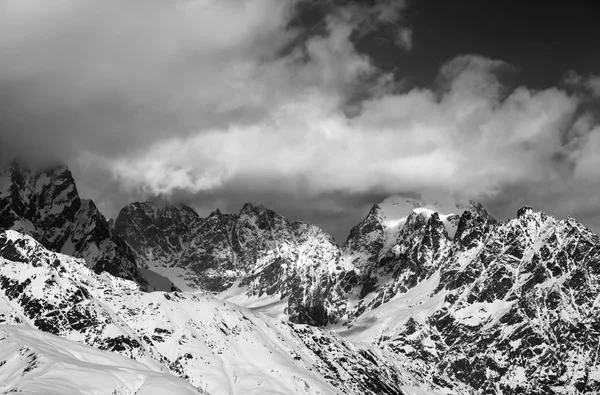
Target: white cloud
[(587, 163), (593, 84), (199, 95), (404, 38), (468, 141), (590, 83)]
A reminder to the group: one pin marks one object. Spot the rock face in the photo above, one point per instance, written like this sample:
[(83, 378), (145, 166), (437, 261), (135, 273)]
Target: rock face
[(257, 250), (519, 308), (264, 254), (500, 307), (216, 346), (45, 204)]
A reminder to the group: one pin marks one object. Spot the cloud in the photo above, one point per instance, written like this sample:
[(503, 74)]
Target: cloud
[(383, 17), (219, 102), (465, 140), (593, 85), (99, 76), (587, 159), (584, 84)]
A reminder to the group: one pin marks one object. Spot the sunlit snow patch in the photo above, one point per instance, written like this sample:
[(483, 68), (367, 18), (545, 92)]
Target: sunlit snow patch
[(34, 362)]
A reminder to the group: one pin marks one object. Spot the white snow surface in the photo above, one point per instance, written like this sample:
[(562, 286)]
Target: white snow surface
[(270, 305), (416, 304), (221, 348), (34, 362), (483, 313)]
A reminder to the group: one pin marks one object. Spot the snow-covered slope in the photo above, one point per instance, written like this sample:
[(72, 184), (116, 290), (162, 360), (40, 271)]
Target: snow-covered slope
[(34, 362), (217, 346), (46, 205)]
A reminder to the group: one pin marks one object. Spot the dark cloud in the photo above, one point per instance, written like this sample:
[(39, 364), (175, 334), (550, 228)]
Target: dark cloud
[(216, 103)]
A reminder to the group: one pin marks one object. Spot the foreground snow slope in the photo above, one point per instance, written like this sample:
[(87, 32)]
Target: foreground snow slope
[(217, 346), (34, 362)]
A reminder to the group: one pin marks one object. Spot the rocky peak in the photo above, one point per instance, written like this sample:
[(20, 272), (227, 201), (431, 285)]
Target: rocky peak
[(261, 217), (306, 232), (477, 208), (436, 228), (375, 214), (36, 201), (216, 213), (45, 204), (414, 222), (161, 212), (365, 241), (258, 222), (473, 226), (524, 211)]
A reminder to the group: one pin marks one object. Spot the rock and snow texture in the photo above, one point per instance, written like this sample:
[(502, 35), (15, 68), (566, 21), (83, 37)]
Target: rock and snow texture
[(514, 308), (293, 266), (262, 254), (34, 362), (462, 301), (257, 251), (46, 205), (421, 298), (216, 346)]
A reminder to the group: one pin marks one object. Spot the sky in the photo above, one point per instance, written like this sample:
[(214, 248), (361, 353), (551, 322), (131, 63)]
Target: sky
[(316, 109)]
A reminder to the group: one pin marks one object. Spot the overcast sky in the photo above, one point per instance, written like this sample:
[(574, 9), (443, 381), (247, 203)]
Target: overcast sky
[(316, 109)]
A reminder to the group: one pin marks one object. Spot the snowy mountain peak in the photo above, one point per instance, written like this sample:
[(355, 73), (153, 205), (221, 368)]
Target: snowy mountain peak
[(396, 210), (45, 204)]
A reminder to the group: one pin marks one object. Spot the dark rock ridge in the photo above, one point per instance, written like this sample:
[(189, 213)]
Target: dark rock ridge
[(46, 205)]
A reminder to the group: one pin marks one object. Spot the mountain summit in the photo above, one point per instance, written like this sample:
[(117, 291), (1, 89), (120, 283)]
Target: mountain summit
[(421, 298), (45, 204)]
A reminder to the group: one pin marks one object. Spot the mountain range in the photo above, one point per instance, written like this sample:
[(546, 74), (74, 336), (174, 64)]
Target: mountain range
[(422, 297)]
